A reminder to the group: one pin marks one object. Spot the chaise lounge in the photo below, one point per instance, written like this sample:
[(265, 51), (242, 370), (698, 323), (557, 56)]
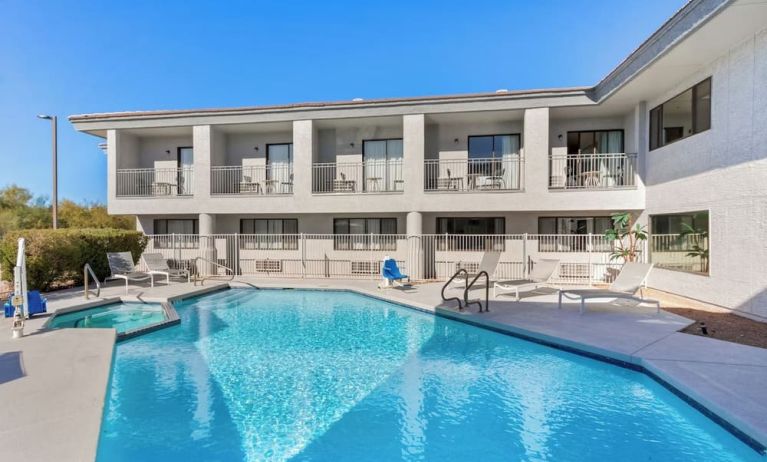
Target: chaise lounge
[(539, 276), (122, 267), (630, 280)]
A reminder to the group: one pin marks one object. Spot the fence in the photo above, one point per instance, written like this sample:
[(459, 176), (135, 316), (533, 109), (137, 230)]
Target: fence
[(262, 179), (371, 176), (584, 259), (148, 182), (685, 252), (467, 175), (592, 171)]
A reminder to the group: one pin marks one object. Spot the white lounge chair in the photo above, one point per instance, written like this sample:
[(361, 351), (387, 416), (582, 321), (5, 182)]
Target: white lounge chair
[(488, 263), (122, 267), (630, 280), (157, 264), (540, 275)]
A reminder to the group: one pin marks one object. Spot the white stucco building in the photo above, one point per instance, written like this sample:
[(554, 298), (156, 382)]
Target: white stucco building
[(676, 133)]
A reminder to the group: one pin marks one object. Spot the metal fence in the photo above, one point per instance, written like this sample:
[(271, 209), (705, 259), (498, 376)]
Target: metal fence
[(373, 176), (262, 179), (473, 175), (684, 252), (151, 182), (583, 259), (592, 171)]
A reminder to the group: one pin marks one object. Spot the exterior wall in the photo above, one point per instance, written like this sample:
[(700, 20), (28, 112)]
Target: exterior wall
[(722, 170), (240, 146), (441, 137), (153, 149), (337, 142)]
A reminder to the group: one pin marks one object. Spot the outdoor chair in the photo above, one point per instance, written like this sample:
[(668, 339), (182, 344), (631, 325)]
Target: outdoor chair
[(122, 267), (539, 276), (630, 280)]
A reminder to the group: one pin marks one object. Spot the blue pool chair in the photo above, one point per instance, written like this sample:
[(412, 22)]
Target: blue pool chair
[(391, 274), (37, 304)]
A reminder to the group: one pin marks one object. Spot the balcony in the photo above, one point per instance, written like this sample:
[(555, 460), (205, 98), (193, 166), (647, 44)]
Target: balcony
[(155, 182), (592, 171), (376, 176), (252, 180), (474, 175)]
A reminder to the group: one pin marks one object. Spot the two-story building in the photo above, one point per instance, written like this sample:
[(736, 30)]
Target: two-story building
[(675, 134)]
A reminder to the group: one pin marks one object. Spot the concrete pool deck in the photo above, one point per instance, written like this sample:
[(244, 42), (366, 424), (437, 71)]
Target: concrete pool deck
[(53, 383)]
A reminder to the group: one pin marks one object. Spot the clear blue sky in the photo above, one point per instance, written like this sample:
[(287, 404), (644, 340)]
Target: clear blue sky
[(68, 58)]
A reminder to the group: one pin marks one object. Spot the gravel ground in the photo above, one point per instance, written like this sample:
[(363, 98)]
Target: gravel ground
[(725, 326)]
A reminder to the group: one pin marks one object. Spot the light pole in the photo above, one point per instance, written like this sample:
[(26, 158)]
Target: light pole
[(55, 199)]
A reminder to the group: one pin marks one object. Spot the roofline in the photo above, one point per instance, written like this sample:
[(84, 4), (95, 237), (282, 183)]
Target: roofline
[(688, 18)]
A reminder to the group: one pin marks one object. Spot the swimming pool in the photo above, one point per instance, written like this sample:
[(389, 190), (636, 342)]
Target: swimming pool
[(126, 318), (254, 375)]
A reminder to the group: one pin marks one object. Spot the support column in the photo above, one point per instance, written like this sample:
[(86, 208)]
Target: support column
[(536, 150), (202, 142), (414, 230), (207, 226), (413, 146), (304, 151)]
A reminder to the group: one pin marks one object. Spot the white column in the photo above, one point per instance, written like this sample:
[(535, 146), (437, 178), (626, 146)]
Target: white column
[(413, 146), (414, 230), (536, 150), (207, 226), (304, 151), (203, 147), (113, 139)]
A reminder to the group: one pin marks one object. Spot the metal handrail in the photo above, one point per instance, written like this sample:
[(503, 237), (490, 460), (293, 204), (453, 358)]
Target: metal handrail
[(87, 270), (446, 299), (487, 292), (202, 279)]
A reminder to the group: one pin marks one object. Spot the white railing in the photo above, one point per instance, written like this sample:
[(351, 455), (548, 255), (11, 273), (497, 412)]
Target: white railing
[(264, 179), (584, 259), (373, 176), (592, 171), (155, 182), (678, 252), (474, 175)]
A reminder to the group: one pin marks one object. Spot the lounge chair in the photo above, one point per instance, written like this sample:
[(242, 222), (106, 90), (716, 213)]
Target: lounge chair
[(392, 275), (489, 263), (540, 275), (157, 264), (630, 280), (122, 267)]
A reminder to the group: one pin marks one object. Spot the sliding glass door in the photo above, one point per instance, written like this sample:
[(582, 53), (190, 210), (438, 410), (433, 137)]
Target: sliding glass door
[(185, 165), (279, 171), (383, 164), (494, 161)]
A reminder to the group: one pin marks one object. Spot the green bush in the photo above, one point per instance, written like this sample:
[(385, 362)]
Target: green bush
[(57, 257)]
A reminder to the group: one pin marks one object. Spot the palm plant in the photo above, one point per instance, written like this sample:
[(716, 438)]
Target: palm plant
[(697, 240), (626, 236)]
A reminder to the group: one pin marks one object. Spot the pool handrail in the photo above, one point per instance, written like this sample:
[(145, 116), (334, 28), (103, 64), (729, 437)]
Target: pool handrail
[(202, 279), (87, 270)]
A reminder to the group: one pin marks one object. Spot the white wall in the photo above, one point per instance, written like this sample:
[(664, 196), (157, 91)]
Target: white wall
[(441, 137), (338, 141), (724, 171), (154, 148), (242, 145)]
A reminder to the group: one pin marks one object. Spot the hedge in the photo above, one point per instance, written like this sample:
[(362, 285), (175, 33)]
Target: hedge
[(57, 257)]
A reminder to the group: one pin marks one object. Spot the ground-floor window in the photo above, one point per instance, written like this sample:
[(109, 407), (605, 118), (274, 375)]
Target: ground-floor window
[(365, 233), (570, 234), (176, 233), (269, 233), (680, 241), (471, 233)]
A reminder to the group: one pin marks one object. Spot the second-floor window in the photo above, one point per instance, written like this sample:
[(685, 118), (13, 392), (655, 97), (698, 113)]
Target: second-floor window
[(269, 233), (365, 233), (595, 142), (684, 115)]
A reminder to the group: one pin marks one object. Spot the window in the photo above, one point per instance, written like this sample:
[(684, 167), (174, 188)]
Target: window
[(279, 171), (187, 229), (556, 229), (383, 164), (487, 153), (481, 227), (365, 233), (683, 115), (595, 142), (269, 233), (680, 241)]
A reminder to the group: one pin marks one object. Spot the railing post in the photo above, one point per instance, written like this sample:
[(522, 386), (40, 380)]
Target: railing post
[(524, 256), (236, 252), (303, 256), (590, 250)]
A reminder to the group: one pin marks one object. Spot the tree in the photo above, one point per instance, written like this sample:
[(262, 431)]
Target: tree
[(626, 236)]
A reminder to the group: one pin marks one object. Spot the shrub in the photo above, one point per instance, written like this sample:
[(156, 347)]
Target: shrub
[(58, 256)]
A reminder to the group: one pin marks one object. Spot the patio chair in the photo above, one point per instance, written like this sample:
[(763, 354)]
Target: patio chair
[(157, 264), (630, 280), (489, 264), (392, 275), (122, 267), (539, 276)]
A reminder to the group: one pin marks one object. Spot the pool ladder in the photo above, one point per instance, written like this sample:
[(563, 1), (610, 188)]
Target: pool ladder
[(466, 302), (88, 271), (201, 278)]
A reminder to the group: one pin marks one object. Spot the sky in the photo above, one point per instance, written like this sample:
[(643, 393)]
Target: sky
[(64, 57)]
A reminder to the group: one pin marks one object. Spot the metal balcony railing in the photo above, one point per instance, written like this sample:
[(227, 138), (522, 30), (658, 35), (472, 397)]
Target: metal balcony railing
[(474, 175), (154, 182), (252, 180), (592, 171), (373, 176)]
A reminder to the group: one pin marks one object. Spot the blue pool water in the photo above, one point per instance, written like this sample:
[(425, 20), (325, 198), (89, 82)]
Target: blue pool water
[(123, 317), (333, 376)]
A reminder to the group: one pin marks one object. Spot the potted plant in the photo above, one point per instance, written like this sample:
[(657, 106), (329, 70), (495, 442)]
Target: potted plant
[(627, 236)]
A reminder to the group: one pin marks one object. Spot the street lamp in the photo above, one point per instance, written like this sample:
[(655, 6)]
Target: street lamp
[(55, 199)]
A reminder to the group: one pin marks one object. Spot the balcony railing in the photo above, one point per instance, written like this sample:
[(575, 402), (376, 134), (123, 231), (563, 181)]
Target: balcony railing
[(373, 176), (255, 180), (592, 171), (473, 175), (155, 182)]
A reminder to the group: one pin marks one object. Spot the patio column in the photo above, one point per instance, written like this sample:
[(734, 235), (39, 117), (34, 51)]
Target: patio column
[(304, 151), (207, 225), (413, 146), (536, 150), (415, 258), (202, 142)]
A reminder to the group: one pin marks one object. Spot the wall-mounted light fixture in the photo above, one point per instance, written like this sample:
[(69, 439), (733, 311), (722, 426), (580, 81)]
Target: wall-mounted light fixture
[(351, 144), (455, 141), (167, 151), (256, 148), (559, 136)]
